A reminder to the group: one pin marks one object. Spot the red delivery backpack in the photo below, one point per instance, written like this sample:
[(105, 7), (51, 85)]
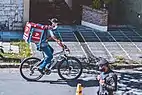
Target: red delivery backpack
[(33, 32)]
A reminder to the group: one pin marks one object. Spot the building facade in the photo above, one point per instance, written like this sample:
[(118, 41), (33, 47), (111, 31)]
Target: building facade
[(126, 12), (15, 13), (11, 14), (132, 11)]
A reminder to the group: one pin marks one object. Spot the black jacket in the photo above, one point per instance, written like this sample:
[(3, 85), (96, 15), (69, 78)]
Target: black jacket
[(110, 84)]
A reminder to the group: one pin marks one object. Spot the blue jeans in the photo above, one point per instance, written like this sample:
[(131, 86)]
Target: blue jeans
[(48, 51)]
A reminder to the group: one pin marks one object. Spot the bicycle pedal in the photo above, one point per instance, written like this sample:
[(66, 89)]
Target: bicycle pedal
[(47, 72)]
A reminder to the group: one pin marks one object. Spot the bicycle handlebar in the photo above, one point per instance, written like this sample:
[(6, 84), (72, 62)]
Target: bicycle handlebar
[(65, 48)]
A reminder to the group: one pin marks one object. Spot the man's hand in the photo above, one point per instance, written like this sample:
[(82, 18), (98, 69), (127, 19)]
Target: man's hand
[(98, 77), (102, 82), (66, 48)]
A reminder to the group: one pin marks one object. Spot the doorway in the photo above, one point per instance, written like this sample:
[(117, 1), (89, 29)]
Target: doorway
[(42, 10)]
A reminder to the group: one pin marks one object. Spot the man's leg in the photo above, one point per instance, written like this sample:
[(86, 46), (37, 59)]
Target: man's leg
[(48, 57)]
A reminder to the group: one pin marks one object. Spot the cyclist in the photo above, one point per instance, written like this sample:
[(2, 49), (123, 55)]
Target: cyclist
[(46, 48)]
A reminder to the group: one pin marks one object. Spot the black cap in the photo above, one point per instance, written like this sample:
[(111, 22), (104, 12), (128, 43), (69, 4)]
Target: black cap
[(102, 61)]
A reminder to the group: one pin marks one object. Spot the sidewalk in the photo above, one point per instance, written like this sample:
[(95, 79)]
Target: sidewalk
[(8, 48), (38, 54), (115, 67)]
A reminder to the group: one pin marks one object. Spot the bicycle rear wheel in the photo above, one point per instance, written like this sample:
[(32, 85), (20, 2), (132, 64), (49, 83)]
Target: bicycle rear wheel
[(29, 69), (70, 68)]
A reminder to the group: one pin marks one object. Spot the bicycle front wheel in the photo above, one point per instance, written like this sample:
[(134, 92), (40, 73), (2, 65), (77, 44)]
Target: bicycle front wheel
[(28, 69), (70, 68)]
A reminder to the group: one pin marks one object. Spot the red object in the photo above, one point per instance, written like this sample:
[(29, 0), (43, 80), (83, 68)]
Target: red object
[(36, 36), (33, 32), (27, 31)]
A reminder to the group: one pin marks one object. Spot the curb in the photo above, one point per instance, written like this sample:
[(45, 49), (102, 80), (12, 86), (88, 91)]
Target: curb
[(9, 65), (124, 66), (11, 60)]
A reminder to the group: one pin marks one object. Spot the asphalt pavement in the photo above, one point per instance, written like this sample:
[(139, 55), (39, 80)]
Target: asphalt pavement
[(11, 83)]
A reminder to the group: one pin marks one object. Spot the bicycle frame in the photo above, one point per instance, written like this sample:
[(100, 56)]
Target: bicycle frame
[(56, 57)]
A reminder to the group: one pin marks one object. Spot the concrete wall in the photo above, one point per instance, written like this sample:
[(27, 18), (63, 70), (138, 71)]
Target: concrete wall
[(26, 11), (133, 9), (130, 11), (69, 2), (11, 14)]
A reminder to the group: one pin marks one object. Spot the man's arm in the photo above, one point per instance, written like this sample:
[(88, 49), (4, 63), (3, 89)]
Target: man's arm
[(58, 41), (54, 38)]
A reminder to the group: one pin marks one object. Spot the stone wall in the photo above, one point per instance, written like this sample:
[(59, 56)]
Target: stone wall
[(11, 15), (95, 16), (97, 19)]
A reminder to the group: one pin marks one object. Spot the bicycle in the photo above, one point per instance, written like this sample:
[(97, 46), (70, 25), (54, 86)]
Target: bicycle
[(1, 54), (66, 66), (90, 63)]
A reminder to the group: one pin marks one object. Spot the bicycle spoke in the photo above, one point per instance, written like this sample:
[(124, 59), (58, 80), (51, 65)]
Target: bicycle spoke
[(28, 69), (70, 69)]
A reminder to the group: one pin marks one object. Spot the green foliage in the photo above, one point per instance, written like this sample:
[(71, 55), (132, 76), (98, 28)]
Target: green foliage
[(97, 3), (24, 50), (120, 60)]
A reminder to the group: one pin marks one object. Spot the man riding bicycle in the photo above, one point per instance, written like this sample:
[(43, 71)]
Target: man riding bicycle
[(46, 48)]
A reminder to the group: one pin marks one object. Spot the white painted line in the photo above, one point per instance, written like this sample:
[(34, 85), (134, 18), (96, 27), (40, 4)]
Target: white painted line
[(131, 41), (76, 39), (94, 26), (120, 46), (103, 45), (80, 45), (86, 43)]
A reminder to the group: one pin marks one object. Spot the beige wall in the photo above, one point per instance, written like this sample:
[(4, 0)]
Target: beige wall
[(26, 10)]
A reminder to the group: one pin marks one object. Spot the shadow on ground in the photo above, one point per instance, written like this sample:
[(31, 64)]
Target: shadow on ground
[(130, 81), (72, 83)]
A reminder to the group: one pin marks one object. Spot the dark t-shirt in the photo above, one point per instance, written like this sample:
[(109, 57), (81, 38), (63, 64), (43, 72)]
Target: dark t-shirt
[(110, 84)]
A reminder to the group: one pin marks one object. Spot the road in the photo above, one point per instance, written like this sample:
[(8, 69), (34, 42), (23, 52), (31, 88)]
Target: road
[(11, 83)]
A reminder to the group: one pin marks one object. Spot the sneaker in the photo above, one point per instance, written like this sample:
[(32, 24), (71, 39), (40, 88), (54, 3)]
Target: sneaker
[(40, 70), (47, 71)]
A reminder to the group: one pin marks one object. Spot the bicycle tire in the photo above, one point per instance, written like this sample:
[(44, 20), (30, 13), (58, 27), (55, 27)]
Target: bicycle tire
[(73, 59), (21, 69)]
